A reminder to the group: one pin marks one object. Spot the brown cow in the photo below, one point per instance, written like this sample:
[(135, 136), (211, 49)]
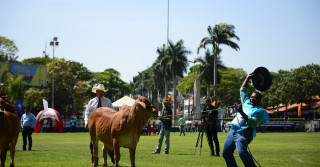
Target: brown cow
[(119, 129), (9, 131)]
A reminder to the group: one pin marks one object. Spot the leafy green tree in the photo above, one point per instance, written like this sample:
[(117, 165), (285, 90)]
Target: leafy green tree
[(294, 86), (33, 97), (70, 86), (8, 50), (229, 85), (220, 34), (305, 83), (186, 83), (81, 72), (111, 80), (64, 82), (37, 61)]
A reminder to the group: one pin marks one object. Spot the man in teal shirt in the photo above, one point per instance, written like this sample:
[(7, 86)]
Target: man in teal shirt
[(244, 125), (166, 118)]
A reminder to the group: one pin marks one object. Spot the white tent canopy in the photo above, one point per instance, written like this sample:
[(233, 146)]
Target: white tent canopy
[(124, 100)]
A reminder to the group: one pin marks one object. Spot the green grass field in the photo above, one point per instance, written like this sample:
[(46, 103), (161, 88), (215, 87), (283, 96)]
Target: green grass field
[(72, 149)]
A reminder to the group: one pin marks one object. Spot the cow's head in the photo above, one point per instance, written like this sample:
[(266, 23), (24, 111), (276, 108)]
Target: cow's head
[(145, 103)]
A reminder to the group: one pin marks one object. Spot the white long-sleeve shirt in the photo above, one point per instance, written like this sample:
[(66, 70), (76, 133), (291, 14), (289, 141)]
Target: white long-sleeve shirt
[(93, 104), (28, 120)]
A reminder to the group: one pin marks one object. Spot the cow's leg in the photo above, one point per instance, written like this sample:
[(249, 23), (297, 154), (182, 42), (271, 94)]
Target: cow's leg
[(116, 150), (105, 155), (95, 152), (13, 150), (4, 155), (132, 156)]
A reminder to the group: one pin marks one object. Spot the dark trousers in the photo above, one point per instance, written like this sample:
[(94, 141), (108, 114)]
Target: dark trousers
[(110, 153), (213, 136), (73, 129), (27, 132)]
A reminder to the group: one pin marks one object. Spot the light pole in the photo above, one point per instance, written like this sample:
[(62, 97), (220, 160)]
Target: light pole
[(53, 43)]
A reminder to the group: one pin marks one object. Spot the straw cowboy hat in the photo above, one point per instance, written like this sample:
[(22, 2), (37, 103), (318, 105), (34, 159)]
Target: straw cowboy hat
[(99, 87)]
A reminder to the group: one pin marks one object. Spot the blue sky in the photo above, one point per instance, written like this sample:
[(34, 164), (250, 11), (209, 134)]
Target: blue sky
[(124, 34)]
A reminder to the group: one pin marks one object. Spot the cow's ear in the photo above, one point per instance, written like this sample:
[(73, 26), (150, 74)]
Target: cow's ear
[(141, 104)]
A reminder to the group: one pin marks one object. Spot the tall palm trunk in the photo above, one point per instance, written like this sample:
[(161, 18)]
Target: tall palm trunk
[(174, 97), (166, 88), (215, 72), (208, 89)]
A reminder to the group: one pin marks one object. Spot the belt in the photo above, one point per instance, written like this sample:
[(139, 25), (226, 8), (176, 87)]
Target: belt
[(26, 126)]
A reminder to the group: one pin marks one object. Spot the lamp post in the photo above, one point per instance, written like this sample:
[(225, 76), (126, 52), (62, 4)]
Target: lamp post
[(53, 43)]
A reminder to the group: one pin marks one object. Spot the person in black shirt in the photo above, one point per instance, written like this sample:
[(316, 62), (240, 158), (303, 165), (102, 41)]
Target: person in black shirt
[(210, 114)]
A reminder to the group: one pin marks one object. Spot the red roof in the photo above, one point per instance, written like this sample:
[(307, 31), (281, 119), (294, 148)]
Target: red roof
[(313, 104)]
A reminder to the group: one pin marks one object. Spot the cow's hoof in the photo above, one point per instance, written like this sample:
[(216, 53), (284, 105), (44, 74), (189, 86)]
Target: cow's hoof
[(11, 165)]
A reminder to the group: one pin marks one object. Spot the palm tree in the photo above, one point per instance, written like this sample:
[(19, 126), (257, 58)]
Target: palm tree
[(220, 34), (178, 64), (206, 68), (160, 68), (15, 86)]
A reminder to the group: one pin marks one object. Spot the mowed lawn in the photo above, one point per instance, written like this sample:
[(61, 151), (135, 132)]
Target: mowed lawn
[(72, 149)]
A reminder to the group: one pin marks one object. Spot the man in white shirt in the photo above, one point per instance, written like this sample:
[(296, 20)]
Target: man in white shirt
[(182, 121), (27, 122), (99, 101)]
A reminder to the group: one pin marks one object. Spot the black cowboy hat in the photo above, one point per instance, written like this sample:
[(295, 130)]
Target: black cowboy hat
[(261, 79)]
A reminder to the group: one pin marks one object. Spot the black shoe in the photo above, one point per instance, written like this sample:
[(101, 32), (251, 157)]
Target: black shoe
[(155, 152), (165, 153)]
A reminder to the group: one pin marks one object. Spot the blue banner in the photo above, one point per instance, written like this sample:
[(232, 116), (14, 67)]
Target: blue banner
[(19, 103), (234, 108)]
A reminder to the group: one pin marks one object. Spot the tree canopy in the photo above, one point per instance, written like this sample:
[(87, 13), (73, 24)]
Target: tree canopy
[(8, 50)]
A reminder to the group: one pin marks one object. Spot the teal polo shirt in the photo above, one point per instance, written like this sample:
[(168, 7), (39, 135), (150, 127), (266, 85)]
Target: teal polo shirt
[(256, 115)]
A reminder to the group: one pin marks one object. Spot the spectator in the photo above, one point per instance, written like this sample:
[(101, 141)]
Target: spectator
[(166, 118), (196, 126), (223, 123), (182, 121), (211, 115), (73, 125), (28, 121)]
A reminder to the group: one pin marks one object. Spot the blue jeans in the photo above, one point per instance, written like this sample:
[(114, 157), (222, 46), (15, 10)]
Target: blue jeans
[(239, 140), (163, 133), (182, 130)]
